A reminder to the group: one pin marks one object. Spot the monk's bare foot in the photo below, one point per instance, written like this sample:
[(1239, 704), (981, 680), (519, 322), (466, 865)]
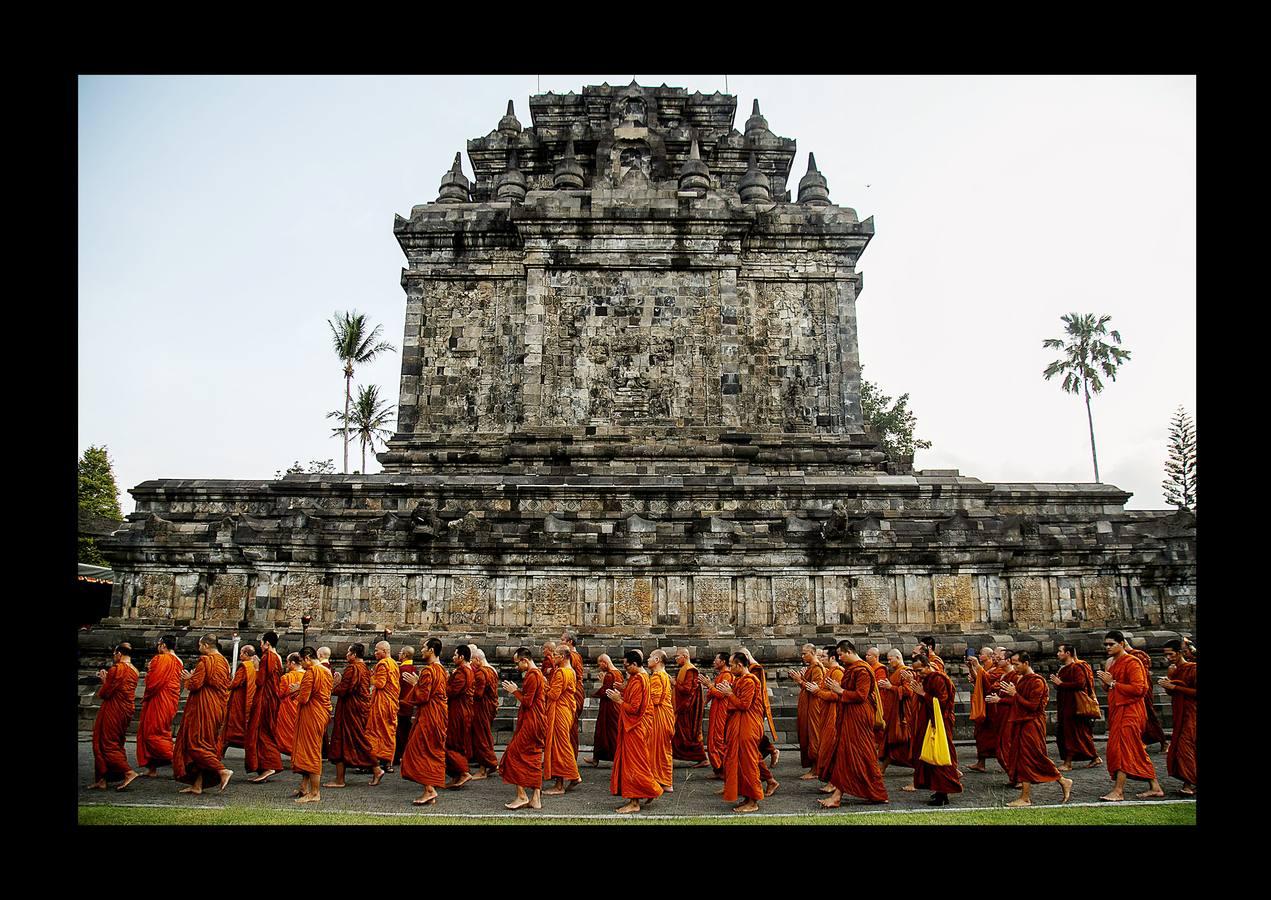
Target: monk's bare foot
[(632, 807), (308, 798), (425, 801), (190, 790), (776, 755), (334, 784), (1094, 762), (827, 789), (553, 792), (668, 789), (1113, 797), (1147, 795), (573, 784), (517, 804), (536, 804), (590, 761), (979, 768), (261, 779), (772, 788), (748, 807), (828, 803), (1066, 784), (297, 793), (459, 782), (152, 773), (226, 775), (1020, 802), (909, 787), (128, 779), (480, 775), (1187, 791), (1066, 767), (98, 785), (376, 779), (807, 776), (701, 764)]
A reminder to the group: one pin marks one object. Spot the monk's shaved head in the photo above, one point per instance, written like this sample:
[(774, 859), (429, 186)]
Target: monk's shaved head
[(168, 642), (893, 653), (524, 653), (384, 645), (308, 653), (634, 657), (477, 653), (247, 652), (270, 638), (293, 658), (407, 652), (209, 640), (357, 650), (658, 656), (604, 659), (124, 648), (871, 653), (324, 653)]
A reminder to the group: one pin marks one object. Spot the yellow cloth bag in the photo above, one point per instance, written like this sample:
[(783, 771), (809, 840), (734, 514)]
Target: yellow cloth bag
[(935, 746)]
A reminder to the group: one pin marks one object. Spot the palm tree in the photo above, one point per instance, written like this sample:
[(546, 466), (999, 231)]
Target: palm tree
[(1086, 355), (369, 416), (354, 346)]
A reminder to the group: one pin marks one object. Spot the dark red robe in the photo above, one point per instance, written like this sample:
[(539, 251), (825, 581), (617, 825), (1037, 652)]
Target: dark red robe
[(686, 740), (459, 693), (605, 741), (1028, 762), (940, 779), (349, 743), (1074, 734), (262, 750), (1181, 759), (1153, 731), (856, 769)]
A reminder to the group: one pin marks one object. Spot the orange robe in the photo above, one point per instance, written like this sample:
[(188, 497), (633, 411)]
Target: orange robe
[(808, 716), (158, 709), (576, 660), (404, 713), (424, 760), (765, 745), (662, 699), (1126, 715), (940, 779), (632, 776), (716, 737), (898, 713), (605, 741), (460, 691), (1028, 761), (1005, 710), (856, 769), (288, 710), (110, 728), (197, 749), (313, 711), (936, 662), (559, 759), (349, 743), (880, 734), (743, 729), (381, 721), (522, 762), (828, 740), (261, 747), (1153, 732), (686, 742), (1074, 734), (485, 705), (242, 696), (983, 720), (1181, 759)]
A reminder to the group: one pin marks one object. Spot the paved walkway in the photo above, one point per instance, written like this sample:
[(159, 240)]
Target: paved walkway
[(694, 793)]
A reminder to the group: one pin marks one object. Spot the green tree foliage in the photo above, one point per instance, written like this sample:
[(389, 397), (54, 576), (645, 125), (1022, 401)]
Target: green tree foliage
[(366, 420), (1086, 356), (893, 424), (315, 467), (354, 342), (1180, 467), (98, 497)]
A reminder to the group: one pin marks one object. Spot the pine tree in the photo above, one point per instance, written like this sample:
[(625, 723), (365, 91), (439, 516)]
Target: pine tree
[(1180, 467), (98, 497)]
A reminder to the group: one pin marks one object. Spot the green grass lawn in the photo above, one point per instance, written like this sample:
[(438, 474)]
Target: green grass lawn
[(1165, 814)]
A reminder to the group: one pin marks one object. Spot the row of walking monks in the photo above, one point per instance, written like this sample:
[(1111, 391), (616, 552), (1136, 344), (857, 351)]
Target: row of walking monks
[(856, 717)]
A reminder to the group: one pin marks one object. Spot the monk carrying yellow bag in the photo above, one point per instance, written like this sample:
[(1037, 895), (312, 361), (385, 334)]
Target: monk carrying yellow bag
[(935, 746)]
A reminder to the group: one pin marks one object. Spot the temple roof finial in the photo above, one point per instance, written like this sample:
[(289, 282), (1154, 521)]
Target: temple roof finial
[(568, 174), (509, 123), (511, 185), (454, 184), (754, 186), (813, 189), (756, 124), (694, 175)]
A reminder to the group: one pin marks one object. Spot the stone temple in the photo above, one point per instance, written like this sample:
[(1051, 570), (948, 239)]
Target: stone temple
[(630, 406)]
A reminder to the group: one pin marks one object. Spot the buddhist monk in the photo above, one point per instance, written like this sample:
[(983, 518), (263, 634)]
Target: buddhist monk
[(261, 749), (633, 777), (405, 666), (485, 705), (350, 745), (828, 739), (1028, 763), (933, 686), (898, 713), (575, 660), (424, 758), (159, 707), (1126, 682), (880, 672), (929, 648), (984, 675), (662, 699), (197, 749), (605, 741), (1180, 684), (522, 762), (686, 742), (766, 747), (110, 728), (743, 727), (288, 710), (242, 697), (1003, 702), (856, 769), (1153, 731), (313, 709), (716, 737), (381, 720), (560, 762), (460, 691), (808, 712), (549, 661), (1074, 734)]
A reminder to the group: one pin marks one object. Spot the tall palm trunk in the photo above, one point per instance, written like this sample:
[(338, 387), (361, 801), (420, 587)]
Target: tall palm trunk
[(364, 455), (1090, 422), (348, 389)]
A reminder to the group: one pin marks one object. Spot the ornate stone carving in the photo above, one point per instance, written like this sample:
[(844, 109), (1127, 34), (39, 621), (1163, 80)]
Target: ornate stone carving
[(712, 600), (303, 596), (226, 592), (1028, 601), (549, 601), (955, 598), (1100, 593), (871, 600), (632, 601), (469, 599), (154, 595), (789, 599), (387, 593)]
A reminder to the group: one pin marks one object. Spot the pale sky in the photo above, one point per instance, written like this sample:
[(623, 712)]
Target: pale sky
[(222, 220)]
